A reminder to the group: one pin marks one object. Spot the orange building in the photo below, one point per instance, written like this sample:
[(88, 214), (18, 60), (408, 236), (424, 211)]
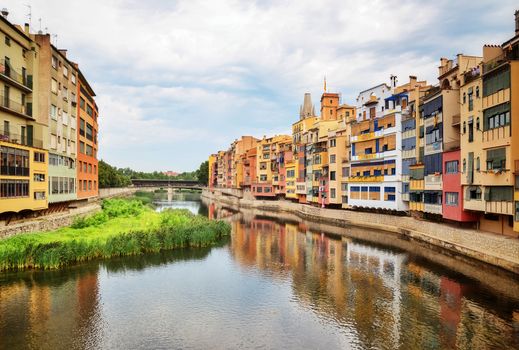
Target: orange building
[(87, 140)]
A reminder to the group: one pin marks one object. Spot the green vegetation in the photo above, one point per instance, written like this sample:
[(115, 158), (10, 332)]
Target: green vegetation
[(202, 173), (110, 176), (123, 227)]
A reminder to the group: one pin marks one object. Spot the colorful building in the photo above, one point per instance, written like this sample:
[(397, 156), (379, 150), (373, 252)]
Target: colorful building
[(87, 131), (24, 161), (57, 90)]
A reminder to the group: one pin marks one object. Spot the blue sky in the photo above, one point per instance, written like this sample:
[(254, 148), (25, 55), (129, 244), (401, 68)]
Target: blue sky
[(178, 80)]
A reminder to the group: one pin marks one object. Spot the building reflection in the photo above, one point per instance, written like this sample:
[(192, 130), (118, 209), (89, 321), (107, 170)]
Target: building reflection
[(366, 289), (39, 307)]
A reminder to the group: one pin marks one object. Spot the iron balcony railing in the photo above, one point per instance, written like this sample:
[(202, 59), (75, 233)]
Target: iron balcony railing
[(7, 70), (16, 106), (21, 139)]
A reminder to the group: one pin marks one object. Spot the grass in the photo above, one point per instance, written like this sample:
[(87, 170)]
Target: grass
[(123, 227)]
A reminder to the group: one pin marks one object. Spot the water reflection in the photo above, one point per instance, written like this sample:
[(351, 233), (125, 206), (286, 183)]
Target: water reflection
[(387, 298), (278, 283)]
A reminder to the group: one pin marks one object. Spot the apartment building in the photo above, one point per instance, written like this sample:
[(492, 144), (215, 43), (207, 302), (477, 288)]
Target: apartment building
[(339, 141), (240, 162), (57, 89), (268, 160), (375, 180), (24, 160), (307, 119), (87, 146)]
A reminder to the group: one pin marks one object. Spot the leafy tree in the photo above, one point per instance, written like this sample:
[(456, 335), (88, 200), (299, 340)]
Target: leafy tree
[(202, 174)]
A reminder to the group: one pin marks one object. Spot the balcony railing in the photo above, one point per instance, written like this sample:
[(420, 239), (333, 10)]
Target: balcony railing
[(501, 207), (366, 178), (433, 182), (15, 106), (494, 63), (433, 208), (496, 134), (20, 139), (8, 71)]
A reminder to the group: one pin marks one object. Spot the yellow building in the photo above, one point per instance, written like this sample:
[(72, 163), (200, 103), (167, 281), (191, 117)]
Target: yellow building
[(267, 180), (23, 170)]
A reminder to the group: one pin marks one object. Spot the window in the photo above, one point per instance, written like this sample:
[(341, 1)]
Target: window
[(496, 159), (499, 193), (14, 188), (73, 79), (81, 147), (332, 159), (333, 142), (81, 127), (451, 167), (54, 62), (471, 100), (89, 132), (14, 162), (65, 71), (478, 165), (82, 103), (451, 199), (374, 188), (263, 177), (90, 168), (477, 91), (39, 195), (39, 157), (7, 41), (389, 189), (496, 81), (497, 116), (471, 130), (332, 193), (84, 167), (54, 86), (39, 177), (89, 110), (332, 176), (475, 193)]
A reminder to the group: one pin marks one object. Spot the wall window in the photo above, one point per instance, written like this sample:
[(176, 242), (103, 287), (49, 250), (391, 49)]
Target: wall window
[(39, 177), (73, 79), (499, 193), (81, 127), (14, 188), (496, 81), (89, 110), (81, 147), (39, 195), (82, 103), (54, 86), (7, 41), (497, 116), (332, 193), (333, 142), (451, 199), (496, 159), (39, 157), (451, 167), (54, 62), (14, 162), (332, 159), (332, 176)]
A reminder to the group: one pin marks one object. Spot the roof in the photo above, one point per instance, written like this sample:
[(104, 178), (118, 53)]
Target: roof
[(374, 87), (83, 81)]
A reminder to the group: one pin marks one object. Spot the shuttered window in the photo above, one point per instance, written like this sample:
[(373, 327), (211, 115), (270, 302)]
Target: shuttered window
[(496, 159), (499, 193)]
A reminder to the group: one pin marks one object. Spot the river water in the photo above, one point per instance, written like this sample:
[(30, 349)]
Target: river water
[(277, 283)]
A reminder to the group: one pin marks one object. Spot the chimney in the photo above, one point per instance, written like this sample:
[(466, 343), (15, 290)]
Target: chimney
[(517, 22), (27, 29), (5, 13)]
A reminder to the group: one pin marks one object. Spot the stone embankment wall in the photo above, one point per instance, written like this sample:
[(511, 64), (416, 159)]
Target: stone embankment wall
[(493, 249), (49, 222), (116, 192)]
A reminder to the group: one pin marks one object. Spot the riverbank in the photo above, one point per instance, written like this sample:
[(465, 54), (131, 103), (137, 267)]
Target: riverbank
[(500, 251), (122, 227)]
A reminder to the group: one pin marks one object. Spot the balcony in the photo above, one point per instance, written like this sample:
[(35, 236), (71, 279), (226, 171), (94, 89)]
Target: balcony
[(497, 134), (10, 75), (409, 133), (379, 155), (411, 153), (367, 136), (502, 207), (435, 147), (365, 179), (300, 187), (433, 208), (433, 182), (20, 139), (416, 206), (416, 185), (456, 120), (8, 105), (474, 205), (494, 63)]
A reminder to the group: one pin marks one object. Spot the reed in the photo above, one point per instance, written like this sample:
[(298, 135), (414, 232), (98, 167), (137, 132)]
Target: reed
[(123, 227)]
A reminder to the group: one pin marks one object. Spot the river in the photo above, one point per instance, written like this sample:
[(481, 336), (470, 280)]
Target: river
[(277, 283)]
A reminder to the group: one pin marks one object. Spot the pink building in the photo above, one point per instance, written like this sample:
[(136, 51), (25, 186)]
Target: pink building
[(452, 191)]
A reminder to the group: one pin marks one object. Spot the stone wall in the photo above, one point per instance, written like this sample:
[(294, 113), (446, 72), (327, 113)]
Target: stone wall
[(496, 250), (114, 192), (48, 222)]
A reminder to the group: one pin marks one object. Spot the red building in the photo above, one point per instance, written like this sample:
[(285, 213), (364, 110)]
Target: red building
[(452, 207)]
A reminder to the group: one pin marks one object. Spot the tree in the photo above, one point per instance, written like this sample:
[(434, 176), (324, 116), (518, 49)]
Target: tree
[(202, 174), (110, 176)]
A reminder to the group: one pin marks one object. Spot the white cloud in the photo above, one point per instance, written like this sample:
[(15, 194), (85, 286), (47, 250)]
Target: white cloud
[(167, 72)]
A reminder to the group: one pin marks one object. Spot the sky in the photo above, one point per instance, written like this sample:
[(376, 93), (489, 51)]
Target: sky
[(178, 80)]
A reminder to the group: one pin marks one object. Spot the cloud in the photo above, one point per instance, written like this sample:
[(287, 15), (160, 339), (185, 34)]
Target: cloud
[(178, 80)]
